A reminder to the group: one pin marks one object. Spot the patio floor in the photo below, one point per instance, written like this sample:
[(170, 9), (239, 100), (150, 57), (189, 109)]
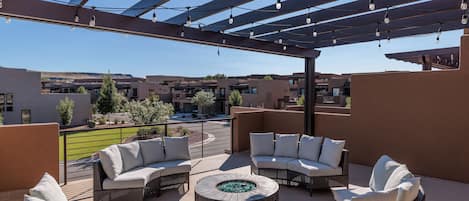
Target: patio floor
[(435, 189)]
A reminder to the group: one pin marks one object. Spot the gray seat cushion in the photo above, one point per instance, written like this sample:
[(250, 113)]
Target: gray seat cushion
[(173, 167), (312, 168), (309, 147), (262, 144), (331, 152), (286, 145), (382, 169), (136, 178), (152, 150), (131, 155), (111, 160), (271, 162), (176, 148)]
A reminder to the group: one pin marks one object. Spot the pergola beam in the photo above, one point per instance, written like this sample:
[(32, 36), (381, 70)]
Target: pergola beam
[(64, 14), (210, 8), (142, 7), (265, 13)]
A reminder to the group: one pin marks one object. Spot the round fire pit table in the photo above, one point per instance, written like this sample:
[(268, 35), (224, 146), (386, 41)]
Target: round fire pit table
[(236, 187)]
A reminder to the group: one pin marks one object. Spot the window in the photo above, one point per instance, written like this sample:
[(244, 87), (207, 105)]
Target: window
[(335, 91), (222, 92), (134, 92), (26, 116), (6, 102), (253, 90)]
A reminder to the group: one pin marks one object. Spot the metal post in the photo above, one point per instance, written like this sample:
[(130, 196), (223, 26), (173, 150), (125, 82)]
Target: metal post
[(310, 96), (121, 136), (232, 136), (166, 130), (65, 158), (202, 139)]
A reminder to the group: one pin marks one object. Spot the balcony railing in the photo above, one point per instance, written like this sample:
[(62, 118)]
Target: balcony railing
[(78, 148)]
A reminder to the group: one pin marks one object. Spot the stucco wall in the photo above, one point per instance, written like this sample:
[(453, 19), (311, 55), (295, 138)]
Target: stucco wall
[(418, 118), (27, 152)]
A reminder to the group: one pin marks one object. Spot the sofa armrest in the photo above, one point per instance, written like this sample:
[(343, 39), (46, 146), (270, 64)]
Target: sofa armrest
[(98, 175), (344, 162)]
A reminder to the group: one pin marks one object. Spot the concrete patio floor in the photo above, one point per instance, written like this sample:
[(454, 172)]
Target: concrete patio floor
[(435, 189)]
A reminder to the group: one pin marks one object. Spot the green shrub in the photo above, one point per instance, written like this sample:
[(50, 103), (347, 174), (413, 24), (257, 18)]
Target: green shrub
[(101, 121), (65, 110)]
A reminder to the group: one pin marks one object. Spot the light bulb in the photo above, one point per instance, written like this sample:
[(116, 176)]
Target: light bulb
[(278, 5), (315, 33), (387, 20), (182, 33), (188, 21), (334, 41), (389, 39), (223, 41), (231, 20), (280, 41), (284, 47), (154, 19), (7, 19), (308, 20), (92, 21), (464, 5), (372, 5), (76, 19), (378, 33), (251, 34), (464, 19), (379, 43)]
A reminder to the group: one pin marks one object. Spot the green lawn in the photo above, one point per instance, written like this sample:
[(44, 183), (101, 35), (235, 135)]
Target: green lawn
[(83, 144)]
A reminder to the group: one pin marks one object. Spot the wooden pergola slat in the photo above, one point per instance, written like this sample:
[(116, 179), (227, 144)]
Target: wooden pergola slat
[(142, 7), (208, 9), (339, 11), (264, 13)]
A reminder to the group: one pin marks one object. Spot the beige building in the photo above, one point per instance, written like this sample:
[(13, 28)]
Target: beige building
[(21, 100)]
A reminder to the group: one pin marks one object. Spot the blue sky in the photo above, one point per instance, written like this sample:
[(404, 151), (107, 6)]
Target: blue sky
[(47, 47)]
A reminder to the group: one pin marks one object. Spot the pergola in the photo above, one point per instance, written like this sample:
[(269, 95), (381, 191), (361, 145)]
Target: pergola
[(444, 58), (322, 23)]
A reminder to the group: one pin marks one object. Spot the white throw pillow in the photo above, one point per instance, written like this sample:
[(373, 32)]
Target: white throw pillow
[(389, 195), (31, 198), (399, 175), (111, 160), (331, 152), (152, 150), (309, 147), (131, 155), (262, 144), (382, 169), (177, 148), (286, 145), (409, 189), (47, 189)]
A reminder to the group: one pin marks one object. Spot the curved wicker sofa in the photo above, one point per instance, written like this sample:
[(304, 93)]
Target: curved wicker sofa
[(145, 167), (300, 163)]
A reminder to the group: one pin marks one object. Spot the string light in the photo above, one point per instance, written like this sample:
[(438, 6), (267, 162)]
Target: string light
[(154, 19), (278, 5), (379, 43), (8, 19), (189, 18), (463, 4), (92, 21), (308, 18), (315, 32), (389, 36), (334, 41), (438, 34), (464, 19), (231, 19), (280, 40), (284, 48), (251, 34), (372, 5), (378, 32), (182, 33), (223, 41), (1, 4), (387, 20), (76, 19)]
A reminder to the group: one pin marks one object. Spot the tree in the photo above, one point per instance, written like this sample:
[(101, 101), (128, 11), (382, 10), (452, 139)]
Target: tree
[(235, 98), (82, 90), (215, 77), (301, 100), (149, 111), (1, 119), (65, 110), (107, 101), (121, 102), (203, 99), (268, 77)]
